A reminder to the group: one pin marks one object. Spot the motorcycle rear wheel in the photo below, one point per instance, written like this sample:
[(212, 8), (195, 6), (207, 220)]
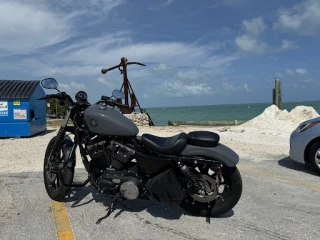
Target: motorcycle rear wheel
[(54, 188), (222, 205)]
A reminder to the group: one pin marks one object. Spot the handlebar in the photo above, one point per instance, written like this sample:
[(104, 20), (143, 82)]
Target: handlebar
[(106, 99), (61, 96), (49, 96), (104, 71), (121, 105)]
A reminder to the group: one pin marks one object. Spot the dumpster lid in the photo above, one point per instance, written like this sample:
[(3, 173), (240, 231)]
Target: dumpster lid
[(17, 88)]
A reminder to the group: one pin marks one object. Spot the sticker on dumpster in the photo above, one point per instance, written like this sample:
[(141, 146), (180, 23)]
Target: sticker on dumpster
[(19, 113), (16, 103), (3, 109)]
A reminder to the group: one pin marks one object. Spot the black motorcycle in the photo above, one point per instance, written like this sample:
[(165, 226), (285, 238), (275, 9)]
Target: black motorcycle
[(194, 171)]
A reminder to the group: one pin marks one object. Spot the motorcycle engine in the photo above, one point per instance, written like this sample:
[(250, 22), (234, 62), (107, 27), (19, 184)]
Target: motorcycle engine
[(108, 154), (125, 182), (111, 162)]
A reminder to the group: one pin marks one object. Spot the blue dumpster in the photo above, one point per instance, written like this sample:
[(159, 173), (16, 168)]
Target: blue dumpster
[(21, 114)]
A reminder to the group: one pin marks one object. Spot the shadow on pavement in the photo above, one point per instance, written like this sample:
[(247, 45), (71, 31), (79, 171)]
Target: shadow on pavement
[(81, 196), (287, 162)]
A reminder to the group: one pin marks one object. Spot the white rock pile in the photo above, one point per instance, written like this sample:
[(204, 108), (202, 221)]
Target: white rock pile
[(140, 119), (274, 118)]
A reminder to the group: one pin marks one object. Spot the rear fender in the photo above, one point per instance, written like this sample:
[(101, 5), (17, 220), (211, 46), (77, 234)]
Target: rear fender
[(220, 153)]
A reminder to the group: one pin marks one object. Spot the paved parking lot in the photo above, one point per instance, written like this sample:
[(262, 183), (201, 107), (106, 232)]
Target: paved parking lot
[(281, 200)]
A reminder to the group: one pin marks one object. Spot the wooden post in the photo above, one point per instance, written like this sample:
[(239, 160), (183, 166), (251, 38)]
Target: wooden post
[(125, 80), (278, 93), (274, 96)]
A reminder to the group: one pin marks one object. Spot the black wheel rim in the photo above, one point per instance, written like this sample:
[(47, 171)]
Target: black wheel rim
[(52, 179), (223, 188)]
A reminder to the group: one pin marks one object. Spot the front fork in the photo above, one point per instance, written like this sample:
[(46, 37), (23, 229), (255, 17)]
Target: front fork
[(55, 149), (60, 136)]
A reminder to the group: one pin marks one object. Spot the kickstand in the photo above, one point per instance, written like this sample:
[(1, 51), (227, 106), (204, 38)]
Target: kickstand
[(125, 206), (111, 208)]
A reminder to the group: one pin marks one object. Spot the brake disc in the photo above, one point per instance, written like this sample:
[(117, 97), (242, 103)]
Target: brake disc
[(210, 186)]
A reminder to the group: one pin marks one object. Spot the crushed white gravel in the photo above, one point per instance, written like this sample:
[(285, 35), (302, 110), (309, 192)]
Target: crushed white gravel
[(275, 118)]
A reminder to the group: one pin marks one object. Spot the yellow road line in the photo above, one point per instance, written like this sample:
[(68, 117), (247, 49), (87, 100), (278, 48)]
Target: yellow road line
[(317, 187), (61, 219)]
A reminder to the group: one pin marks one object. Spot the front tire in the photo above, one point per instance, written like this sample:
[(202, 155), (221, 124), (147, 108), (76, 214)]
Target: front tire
[(314, 157), (220, 205), (54, 188)]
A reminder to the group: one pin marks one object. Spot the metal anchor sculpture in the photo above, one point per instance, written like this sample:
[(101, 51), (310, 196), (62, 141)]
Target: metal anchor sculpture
[(127, 88)]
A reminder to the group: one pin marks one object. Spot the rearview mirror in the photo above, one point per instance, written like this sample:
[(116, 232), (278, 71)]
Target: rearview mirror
[(49, 83), (118, 94)]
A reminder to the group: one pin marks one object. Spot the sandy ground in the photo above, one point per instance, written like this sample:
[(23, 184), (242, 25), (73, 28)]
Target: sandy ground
[(26, 154)]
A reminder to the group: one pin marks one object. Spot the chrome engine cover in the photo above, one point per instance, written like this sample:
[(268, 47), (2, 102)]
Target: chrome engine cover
[(129, 190)]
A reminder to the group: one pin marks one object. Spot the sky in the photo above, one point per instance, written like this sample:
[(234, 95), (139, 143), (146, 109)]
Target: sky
[(201, 52)]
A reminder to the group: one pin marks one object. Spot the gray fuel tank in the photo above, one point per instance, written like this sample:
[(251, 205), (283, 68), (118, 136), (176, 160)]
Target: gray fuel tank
[(104, 120)]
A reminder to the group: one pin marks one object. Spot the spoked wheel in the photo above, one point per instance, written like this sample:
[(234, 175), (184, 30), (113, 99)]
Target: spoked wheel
[(222, 191), (52, 181)]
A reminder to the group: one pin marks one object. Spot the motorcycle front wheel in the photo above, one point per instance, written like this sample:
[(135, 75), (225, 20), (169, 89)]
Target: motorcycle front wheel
[(52, 182), (226, 200)]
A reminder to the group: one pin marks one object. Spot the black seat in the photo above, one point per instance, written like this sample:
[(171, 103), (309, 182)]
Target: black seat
[(203, 138), (167, 145)]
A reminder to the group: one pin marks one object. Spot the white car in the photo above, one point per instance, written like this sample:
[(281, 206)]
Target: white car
[(305, 143)]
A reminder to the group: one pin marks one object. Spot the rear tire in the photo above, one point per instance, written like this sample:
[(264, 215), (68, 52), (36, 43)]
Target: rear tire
[(314, 157), (54, 188), (233, 178)]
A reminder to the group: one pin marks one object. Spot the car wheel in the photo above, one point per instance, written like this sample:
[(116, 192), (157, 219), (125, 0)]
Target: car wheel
[(314, 157)]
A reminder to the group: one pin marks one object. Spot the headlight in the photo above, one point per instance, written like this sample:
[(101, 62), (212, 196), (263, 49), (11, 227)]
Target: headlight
[(305, 126)]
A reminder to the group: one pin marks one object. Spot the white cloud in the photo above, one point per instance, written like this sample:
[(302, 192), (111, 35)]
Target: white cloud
[(189, 74), (64, 86), (162, 5), (217, 63), (161, 67), (110, 83), (180, 89), (110, 48), (288, 71), (254, 26), (25, 28), (73, 85), (88, 57), (251, 40), (286, 44), (291, 72), (247, 88), (145, 96), (303, 18), (102, 80), (85, 57), (249, 43), (301, 70), (167, 2), (178, 62), (229, 86)]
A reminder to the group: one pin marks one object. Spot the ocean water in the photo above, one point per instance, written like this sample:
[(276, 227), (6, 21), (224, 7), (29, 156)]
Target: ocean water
[(206, 115)]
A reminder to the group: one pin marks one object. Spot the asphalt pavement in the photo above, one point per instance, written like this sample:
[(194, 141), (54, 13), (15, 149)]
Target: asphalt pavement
[(280, 200)]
